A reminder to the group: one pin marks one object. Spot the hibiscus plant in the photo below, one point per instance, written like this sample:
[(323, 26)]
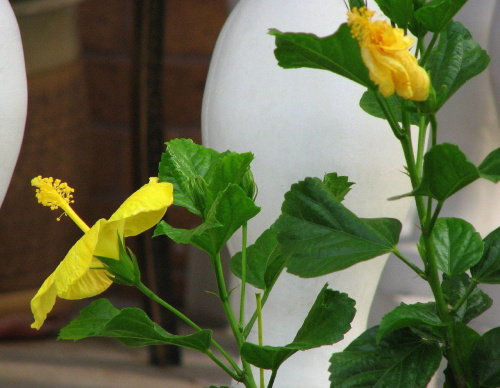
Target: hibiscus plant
[(411, 62)]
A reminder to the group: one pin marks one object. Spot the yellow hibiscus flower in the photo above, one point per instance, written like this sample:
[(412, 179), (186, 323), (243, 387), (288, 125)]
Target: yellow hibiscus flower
[(384, 51), (80, 274)]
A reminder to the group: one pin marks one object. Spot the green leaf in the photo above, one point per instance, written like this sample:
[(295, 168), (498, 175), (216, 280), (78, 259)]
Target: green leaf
[(182, 164), (457, 244), (129, 325), (418, 314), (320, 235), (231, 168), (485, 359), (230, 210), (265, 261), (454, 287), (400, 360), (487, 270), (436, 14), (446, 170), (370, 105), (456, 59), (338, 53), (266, 357), (356, 4), (399, 11), (490, 167), (339, 186), (327, 322)]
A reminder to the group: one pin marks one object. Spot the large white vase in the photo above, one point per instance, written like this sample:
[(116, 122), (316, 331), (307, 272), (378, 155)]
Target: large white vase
[(13, 94), (299, 123)]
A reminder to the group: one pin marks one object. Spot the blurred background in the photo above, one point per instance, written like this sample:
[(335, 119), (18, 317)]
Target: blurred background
[(84, 125)]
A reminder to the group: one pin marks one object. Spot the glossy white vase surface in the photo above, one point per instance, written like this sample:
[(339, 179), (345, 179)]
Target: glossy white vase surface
[(13, 94), (299, 123)]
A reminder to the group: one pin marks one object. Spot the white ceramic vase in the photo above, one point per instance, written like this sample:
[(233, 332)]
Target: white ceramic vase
[(13, 94), (299, 123)]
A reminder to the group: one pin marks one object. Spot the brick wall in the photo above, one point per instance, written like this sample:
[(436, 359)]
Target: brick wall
[(106, 26)]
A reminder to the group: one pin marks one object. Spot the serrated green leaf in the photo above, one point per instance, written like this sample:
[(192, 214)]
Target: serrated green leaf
[(230, 210), (338, 53), (400, 360), (265, 261), (436, 14), (457, 245), (181, 164), (487, 270), (326, 323), (370, 105), (320, 235), (91, 321), (485, 359), (454, 287), (231, 168), (418, 314), (490, 167), (131, 326), (339, 186), (399, 11), (266, 357), (446, 170), (456, 59)]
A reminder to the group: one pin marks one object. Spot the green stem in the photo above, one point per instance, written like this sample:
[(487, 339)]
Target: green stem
[(248, 379), (434, 127), (410, 264), (259, 325), (389, 115), (428, 49), (243, 274), (271, 380), (150, 294), (422, 130)]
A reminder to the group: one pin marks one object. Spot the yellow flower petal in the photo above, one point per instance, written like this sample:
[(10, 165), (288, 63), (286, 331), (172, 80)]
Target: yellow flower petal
[(43, 302), (74, 277), (145, 208), (384, 51)]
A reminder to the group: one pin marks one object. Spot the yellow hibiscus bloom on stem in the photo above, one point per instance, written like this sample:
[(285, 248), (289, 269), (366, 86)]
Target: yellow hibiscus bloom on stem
[(384, 51), (80, 274)]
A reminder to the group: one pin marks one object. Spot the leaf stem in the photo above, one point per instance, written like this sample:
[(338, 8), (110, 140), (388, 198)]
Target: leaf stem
[(243, 273), (259, 325), (248, 379), (414, 267), (150, 294), (428, 50)]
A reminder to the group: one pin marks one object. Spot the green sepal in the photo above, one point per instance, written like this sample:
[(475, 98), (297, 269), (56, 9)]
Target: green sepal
[(126, 270), (131, 326), (328, 320), (418, 314), (487, 270), (356, 4), (320, 235), (454, 287), (400, 360), (338, 53)]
